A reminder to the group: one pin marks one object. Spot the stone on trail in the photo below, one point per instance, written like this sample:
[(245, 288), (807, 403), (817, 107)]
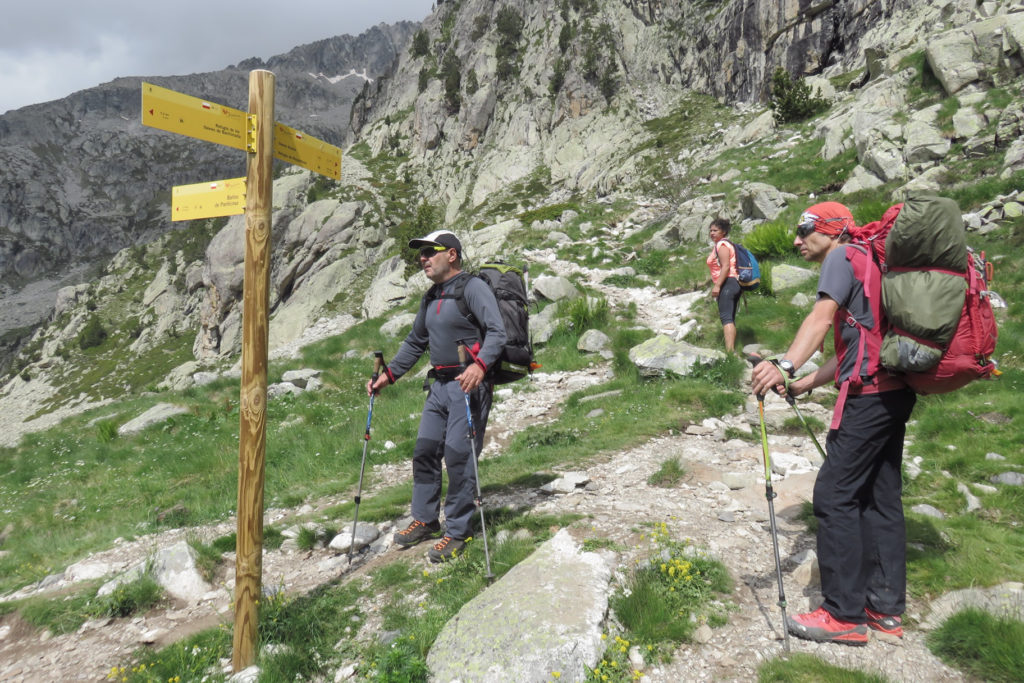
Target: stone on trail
[(366, 534), (544, 615)]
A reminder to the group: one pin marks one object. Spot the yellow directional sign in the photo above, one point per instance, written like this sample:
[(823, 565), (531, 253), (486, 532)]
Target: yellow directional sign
[(208, 200), (177, 113), (304, 150)]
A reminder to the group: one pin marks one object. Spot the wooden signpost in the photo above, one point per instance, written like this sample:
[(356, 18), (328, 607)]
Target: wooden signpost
[(255, 133)]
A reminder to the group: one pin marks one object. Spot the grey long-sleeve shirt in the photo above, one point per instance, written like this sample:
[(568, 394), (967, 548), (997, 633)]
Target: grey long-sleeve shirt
[(440, 325)]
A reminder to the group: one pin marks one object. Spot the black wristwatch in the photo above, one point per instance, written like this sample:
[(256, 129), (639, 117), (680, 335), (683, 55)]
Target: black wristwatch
[(787, 367)]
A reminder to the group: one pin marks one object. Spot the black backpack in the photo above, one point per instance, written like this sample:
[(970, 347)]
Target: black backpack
[(509, 287)]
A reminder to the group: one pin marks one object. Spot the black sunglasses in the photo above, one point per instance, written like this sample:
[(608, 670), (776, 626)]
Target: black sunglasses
[(805, 229), (431, 252), (808, 222)]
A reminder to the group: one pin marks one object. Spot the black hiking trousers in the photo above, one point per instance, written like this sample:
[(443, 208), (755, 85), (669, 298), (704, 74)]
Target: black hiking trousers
[(858, 503)]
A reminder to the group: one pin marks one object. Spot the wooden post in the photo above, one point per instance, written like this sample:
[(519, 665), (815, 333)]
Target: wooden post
[(252, 444)]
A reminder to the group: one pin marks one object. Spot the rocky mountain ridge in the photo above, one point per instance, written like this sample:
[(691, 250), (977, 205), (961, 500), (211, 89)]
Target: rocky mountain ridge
[(335, 245), (81, 178)]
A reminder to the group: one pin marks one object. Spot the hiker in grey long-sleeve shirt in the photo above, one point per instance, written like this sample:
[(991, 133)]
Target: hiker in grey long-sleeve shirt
[(444, 430)]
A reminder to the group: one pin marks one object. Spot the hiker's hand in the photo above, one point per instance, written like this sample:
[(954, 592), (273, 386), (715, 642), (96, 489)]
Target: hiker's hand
[(715, 291), (767, 376), (470, 378), (375, 387), (800, 386)]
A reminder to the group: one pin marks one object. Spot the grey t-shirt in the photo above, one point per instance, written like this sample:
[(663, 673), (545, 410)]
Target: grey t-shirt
[(838, 283), (441, 325)]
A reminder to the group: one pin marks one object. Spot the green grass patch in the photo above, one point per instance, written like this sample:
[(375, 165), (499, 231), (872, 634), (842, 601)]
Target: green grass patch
[(987, 647), (669, 474), (803, 668), (67, 613)]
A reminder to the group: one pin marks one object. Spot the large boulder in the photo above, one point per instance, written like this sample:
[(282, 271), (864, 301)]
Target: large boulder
[(559, 593), (554, 288), (761, 200), (661, 354), (953, 57), (785, 276)]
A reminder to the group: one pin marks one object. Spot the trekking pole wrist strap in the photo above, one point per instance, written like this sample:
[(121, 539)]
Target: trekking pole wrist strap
[(787, 378)]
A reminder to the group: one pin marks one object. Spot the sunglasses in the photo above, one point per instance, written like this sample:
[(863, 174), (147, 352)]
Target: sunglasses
[(431, 252), (809, 221), (805, 228)]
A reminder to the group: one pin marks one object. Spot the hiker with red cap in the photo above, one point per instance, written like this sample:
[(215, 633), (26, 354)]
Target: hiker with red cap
[(858, 490)]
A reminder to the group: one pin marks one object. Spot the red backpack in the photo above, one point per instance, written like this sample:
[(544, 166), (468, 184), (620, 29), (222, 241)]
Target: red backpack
[(940, 331)]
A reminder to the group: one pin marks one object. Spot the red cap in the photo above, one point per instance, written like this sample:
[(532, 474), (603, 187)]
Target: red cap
[(829, 218)]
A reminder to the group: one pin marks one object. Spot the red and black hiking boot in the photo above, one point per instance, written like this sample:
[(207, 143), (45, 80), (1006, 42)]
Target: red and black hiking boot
[(886, 624), (822, 627), (447, 548), (416, 532)]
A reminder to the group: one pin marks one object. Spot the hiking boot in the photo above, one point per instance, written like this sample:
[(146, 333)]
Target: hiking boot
[(447, 548), (822, 627), (884, 623), (416, 532)]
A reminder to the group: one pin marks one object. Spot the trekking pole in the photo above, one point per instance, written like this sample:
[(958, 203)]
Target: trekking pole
[(791, 400), (478, 501), (378, 364), (769, 493)]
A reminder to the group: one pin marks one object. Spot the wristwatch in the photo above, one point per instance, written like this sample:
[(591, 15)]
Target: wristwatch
[(787, 367)]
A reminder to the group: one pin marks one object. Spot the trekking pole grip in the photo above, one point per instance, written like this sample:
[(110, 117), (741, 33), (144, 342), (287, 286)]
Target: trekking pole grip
[(378, 364), (463, 354), (754, 361)]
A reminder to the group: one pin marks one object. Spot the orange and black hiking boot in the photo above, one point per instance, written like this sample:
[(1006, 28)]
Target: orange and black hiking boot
[(447, 548), (416, 532), (887, 624), (822, 627)]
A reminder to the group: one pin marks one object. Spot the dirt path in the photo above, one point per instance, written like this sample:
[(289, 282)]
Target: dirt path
[(617, 505)]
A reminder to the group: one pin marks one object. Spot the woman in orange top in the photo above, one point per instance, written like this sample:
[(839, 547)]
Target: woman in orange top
[(724, 277)]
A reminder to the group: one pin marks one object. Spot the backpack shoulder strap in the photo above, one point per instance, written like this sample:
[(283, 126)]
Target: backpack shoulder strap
[(456, 292)]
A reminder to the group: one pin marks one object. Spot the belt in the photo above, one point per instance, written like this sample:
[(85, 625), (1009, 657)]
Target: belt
[(442, 373)]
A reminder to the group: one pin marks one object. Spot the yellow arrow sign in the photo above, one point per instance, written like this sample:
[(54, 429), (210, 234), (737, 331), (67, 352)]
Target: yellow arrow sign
[(177, 113), (208, 200), (304, 150)]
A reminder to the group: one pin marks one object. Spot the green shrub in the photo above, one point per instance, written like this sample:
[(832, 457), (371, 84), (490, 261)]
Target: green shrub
[(668, 475), (481, 23), (770, 240), (510, 24), (93, 334), (584, 314), (794, 100), (557, 76), (424, 79), (420, 43), (426, 220), (451, 76), (565, 36), (130, 598)]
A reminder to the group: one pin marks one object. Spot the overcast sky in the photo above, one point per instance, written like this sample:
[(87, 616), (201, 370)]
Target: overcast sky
[(52, 48)]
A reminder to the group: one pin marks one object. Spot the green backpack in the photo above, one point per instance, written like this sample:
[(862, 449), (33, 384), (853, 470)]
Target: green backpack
[(941, 330)]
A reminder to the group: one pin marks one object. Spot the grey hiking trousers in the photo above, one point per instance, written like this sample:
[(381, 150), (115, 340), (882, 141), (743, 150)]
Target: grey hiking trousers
[(444, 433)]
